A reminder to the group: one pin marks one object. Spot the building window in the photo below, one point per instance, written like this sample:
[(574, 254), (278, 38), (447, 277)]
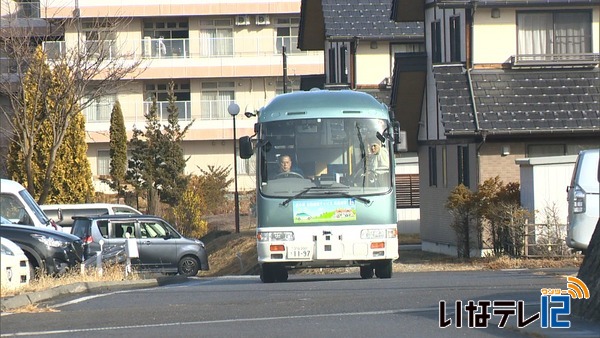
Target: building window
[(216, 38), (407, 191), (161, 92), (445, 166), (216, 97), (540, 150), (432, 167), (166, 39), (436, 42), (338, 61), (103, 162), (455, 37), (99, 38), (463, 165), (28, 9), (100, 109), (544, 34), (287, 34)]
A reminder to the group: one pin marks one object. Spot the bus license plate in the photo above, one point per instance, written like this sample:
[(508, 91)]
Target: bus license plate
[(299, 252)]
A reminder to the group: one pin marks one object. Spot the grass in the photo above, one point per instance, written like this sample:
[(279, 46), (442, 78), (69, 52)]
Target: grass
[(112, 272)]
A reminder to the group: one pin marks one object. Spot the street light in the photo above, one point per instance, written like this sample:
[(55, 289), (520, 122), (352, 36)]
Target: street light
[(233, 110)]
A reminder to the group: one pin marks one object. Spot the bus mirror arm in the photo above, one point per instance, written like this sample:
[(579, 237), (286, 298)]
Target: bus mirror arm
[(397, 136)]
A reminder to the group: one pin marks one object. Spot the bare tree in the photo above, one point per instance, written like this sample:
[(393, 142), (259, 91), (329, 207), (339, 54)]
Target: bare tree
[(92, 66)]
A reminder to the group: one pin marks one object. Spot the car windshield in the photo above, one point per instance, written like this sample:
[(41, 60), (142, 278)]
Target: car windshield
[(348, 157), (37, 211)]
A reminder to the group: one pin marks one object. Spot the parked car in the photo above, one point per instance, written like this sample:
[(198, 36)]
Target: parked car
[(14, 265), (63, 214), (17, 205), (583, 196), (51, 251), (161, 248)]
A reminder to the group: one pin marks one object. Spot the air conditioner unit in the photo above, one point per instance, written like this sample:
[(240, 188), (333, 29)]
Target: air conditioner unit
[(262, 20), (242, 20)]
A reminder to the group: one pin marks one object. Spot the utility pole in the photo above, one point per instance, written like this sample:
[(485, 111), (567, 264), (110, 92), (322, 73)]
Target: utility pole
[(284, 69)]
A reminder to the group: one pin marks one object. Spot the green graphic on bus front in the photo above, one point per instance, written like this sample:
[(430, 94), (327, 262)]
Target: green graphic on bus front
[(324, 210)]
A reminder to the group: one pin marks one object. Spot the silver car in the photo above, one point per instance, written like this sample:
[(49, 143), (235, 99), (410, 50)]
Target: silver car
[(161, 248)]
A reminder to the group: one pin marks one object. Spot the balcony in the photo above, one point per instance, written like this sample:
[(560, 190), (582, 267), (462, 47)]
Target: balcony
[(183, 108), (149, 48), (555, 60)]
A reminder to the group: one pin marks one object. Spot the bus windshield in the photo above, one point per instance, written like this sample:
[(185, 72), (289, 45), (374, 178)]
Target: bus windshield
[(345, 156)]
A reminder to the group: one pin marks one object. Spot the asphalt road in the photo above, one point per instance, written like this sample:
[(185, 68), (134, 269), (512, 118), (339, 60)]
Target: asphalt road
[(408, 305)]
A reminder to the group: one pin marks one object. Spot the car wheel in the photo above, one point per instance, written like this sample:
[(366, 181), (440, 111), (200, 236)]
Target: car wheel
[(282, 274), (267, 273), (188, 266), (366, 272), (35, 266), (384, 269)]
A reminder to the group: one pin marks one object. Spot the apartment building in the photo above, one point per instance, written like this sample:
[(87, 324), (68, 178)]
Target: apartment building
[(501, 81), (216, 52)]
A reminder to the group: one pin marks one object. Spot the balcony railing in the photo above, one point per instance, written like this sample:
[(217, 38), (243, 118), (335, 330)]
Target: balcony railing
[(183, 108), (555, 60), (150, 48), (165, 48), (106, 48)]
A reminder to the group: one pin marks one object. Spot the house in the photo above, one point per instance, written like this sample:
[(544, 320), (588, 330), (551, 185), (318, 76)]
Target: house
[(360, 44), (505, 80), (215, 52)]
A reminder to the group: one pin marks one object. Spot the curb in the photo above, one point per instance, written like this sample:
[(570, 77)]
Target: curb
[(10, 303)]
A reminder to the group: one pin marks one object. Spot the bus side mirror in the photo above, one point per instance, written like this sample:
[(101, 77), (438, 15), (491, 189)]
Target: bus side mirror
[(397, 138), (400, 144), (246, 149)]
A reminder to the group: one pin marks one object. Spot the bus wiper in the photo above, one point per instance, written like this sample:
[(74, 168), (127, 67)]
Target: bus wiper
[(288, 200), (363, 154), (345, 194)]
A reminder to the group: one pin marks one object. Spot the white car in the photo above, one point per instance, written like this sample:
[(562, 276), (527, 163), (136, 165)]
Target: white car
[(14, 264)]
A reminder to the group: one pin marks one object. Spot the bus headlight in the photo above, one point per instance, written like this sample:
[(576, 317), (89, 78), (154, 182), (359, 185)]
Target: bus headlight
[(378, 233), (273, 236)]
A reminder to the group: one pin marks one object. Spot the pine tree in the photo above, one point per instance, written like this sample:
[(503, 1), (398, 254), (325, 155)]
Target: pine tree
[(118, 149), (157, 163), (22, 150), (68, 173)]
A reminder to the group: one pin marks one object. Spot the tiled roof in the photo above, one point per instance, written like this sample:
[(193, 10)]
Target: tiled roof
[(366, 19), (519, 101), (514, 3)]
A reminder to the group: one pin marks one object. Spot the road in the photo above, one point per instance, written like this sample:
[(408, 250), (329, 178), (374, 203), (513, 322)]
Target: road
[(408, 305)]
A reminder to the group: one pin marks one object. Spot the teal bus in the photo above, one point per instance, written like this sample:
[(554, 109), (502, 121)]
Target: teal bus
[(325, 183)]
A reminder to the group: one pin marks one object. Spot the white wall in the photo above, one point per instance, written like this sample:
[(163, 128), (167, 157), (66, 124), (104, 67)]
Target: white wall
[(544, 181)]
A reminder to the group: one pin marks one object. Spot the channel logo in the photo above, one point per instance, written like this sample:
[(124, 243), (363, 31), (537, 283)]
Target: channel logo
[(577, 289), (555, 305)]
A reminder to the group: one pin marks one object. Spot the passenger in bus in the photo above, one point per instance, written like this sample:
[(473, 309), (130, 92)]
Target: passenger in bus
[(378, 158), (287, 168)]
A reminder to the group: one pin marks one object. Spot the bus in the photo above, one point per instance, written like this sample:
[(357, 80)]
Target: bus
[(325, 183)]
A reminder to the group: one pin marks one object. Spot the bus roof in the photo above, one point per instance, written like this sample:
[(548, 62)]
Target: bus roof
[(323, 104)]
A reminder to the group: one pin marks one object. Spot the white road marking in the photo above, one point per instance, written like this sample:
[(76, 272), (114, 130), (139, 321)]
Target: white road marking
[(220, 321)]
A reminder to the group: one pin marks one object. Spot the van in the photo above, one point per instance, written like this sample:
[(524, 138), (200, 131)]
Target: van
[(18, 206), (63, 214), (583, 197)]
